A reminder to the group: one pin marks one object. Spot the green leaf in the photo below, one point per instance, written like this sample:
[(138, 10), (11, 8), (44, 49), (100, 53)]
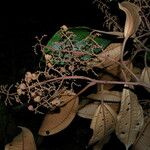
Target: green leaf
[(78, 39)]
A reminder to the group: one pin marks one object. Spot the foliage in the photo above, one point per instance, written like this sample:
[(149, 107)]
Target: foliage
[(79, 58)]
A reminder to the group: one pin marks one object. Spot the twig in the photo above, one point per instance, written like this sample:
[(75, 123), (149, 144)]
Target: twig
[(95, 81)]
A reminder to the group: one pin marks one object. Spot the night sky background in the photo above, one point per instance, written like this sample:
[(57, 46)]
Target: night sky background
[(19, 24)]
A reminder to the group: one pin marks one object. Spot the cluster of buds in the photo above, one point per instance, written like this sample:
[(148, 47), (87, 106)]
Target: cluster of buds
[(36, 93), (21, 89), (30, 77), (48, 60), (36, 96)]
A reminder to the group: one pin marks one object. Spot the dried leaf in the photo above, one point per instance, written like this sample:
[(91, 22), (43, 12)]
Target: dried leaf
[(108, 57), (83, 102), (145, 103), (130, 118), (24, 141), (145, 76), (103, 123), (101, 143), (124, 73), (88, 110), (106, 96), (137, 71), (112, 72), (113, 69), (106, 77), (133, 18), (143, 139), (112, 98), (55, 122), (114, 106)]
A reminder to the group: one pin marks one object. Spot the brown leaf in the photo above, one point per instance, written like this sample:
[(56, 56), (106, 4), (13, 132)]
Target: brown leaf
[(106, 77), (112, 72), (137, 71), (83, 102), (103, 123), (145, 76), (115, 71), (101, 143), (106, 96), (133, 18), (124, 73), (24, 141), (114, 106), (112, 98), (143, 139), (108, 57), (130, 118), (88, 110), (55, 122)]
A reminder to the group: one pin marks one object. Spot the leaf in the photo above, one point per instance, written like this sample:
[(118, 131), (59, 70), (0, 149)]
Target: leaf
[(112, 98), (114, 106), (130, 118), (88, 110), (143, 140), (82, 40), (103, 123), (109, 74), (55, 122), (107, 57), (24, 141), (115, 71), (145, 103), (137, 71), (145, 76), (106, 77), (83, 102), (106, 96), (124, 73), (133, 18), (101, 143)]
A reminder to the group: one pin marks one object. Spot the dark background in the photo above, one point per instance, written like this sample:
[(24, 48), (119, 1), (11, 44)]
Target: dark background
[(19, 24)]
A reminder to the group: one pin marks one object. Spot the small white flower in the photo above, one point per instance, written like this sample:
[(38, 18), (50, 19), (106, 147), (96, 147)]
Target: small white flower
[(34, 76), (19, 91), (64, 28), (31, 108), (28, 77), (33, 94), (48, 57), (49, 65), (22, 86), (37, 99)]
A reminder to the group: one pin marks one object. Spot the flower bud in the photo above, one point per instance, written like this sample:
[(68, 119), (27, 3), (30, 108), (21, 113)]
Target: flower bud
[(22, 86), (37, 99)]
